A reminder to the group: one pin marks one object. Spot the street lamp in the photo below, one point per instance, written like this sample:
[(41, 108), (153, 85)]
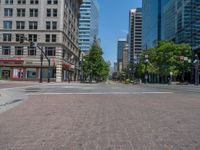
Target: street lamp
[(171, 77), (41, 64), (196, 66), (146, 57), (185, 60)]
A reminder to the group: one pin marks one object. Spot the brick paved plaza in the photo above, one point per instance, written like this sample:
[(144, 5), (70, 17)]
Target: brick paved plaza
[(165, 121)]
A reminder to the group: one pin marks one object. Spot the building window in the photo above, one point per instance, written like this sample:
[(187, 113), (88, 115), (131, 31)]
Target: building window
[(54, 25), (21, 1), (7, 37), (48, 25), (48, 1), (8, 1), (20, 24), (55, 1), (53, 37), (33, 12), (55, 12), (7, 24), (48, 12), (8, 12), (32, 37), (6, 50), (34, 2), (21, 12), (31, 51), (48, 38), (31, 73), (19, 50), (50, 51), (33, 25), (17, 36)]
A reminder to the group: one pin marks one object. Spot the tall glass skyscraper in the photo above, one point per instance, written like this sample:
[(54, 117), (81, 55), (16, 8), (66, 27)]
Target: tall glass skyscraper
[(152, 22), (182, 19), (88, 24), (188, 22), (120, 47), (176, 20), (169, 27)]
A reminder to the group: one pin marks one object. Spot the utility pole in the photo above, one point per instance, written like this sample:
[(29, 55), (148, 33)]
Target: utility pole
[(42, 55), (41, 65)]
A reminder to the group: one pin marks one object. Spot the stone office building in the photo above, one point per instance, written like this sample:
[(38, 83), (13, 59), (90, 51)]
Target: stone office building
[(53, 25)]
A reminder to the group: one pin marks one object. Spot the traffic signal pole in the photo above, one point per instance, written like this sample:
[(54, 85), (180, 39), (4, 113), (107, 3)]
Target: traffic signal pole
[(43, 54)]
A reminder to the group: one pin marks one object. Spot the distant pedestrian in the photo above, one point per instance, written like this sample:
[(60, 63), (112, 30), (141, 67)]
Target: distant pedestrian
[(169, 80), (69, 79)]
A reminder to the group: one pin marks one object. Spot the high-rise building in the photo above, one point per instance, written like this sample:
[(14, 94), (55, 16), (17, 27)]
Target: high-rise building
[(125, 57), (115, 67), (182, 22), (152, 22), (135, 34), (188, 22), (89, 24), (120, 47), (169, 27), (53, 25)]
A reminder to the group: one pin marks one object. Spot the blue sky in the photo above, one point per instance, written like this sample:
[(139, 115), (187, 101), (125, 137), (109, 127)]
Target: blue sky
[(113, 24)]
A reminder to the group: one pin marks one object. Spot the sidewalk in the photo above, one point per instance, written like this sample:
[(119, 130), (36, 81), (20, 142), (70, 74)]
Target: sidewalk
[(188, 88)]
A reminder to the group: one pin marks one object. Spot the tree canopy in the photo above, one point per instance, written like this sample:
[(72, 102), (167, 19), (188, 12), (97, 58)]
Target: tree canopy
[(166, 57), (94, 66)]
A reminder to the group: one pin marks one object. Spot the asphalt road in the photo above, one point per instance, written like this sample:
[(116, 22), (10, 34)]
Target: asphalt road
[(101, 117)]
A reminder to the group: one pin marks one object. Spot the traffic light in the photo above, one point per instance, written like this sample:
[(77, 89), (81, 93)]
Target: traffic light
[(21, 39), (32, 44)]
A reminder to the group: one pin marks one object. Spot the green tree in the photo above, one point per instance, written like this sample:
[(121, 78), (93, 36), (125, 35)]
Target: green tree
[(165, 58), (94, 66)]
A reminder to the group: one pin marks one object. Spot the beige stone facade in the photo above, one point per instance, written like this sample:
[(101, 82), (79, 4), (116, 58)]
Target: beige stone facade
[(53, 25)]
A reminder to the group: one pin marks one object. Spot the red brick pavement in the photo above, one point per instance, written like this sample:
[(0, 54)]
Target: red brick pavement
[(14, 85), (103, 122)]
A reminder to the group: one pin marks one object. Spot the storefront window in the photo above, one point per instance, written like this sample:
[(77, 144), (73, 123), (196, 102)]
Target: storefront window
[(18, 73), (31, 73)]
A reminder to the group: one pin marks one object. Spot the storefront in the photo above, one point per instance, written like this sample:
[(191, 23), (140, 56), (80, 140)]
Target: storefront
[(16, 69), (7, 70)]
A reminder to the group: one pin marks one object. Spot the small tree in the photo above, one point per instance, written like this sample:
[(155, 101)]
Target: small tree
[(94, 66)]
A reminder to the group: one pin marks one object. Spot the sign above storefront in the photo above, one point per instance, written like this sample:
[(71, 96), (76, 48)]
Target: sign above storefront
[(12, 60)]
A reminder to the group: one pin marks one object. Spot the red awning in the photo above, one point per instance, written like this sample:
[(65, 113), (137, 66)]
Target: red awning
[(11, 60)]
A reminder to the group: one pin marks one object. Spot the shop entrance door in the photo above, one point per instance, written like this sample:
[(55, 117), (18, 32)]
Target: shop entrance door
[(5, 74)]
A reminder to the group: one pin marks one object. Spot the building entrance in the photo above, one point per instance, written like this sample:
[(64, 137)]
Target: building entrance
[(5, 74)]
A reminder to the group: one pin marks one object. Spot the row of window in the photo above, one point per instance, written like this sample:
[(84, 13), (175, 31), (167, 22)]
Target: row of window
[(19, 51), (7, 37), (31, 2), (21, 12), (33, 25)]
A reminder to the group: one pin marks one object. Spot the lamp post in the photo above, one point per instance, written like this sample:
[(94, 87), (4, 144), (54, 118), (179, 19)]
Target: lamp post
[(146, 57), (41, 65), (171, 77), (196, 66), (186, 61)]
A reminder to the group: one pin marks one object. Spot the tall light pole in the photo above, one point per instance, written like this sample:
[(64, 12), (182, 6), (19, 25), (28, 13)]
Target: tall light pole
[(41, 65), (146, 57), (196, 66)]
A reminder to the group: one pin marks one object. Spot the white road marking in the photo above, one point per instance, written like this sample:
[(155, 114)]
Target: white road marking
[(102, 93)]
